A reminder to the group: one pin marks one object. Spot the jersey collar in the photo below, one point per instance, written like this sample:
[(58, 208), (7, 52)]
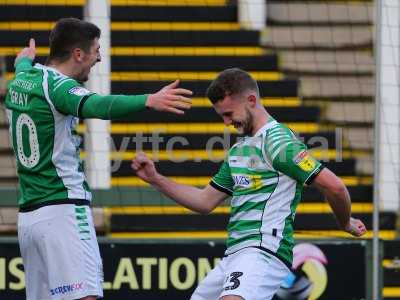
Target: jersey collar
[(40, 66), (271, 122)]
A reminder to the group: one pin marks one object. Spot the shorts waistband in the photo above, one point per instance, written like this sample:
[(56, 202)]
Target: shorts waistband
[(287, 264), (284, 261), (79, 202)]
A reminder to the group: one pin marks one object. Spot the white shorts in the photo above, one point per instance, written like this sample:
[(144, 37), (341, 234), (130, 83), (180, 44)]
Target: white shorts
[(60, 253), (250, 273)]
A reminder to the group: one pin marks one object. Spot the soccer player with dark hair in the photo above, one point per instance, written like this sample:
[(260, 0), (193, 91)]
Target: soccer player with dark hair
[(55, 226), (264, 174)]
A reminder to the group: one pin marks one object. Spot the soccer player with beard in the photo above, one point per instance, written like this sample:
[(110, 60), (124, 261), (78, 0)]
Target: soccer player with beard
[(265, 174), (55, 226)]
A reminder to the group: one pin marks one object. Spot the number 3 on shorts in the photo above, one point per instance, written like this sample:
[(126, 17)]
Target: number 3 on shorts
[(234, 278)]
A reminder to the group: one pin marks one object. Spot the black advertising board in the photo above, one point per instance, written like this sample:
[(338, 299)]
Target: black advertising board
[(172, 269)]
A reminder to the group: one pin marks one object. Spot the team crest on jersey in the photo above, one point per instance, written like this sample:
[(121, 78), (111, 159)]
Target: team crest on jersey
[(79, 91), (253, 162), (304, 161)]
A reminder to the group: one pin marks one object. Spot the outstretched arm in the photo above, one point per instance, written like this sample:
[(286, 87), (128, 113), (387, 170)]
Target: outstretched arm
[(338, 198), (169, 99), (72, 99), (196, 199)]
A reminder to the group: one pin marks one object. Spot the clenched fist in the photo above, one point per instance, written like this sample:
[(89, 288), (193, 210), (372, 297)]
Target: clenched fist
[(355, 227), (144, 167)]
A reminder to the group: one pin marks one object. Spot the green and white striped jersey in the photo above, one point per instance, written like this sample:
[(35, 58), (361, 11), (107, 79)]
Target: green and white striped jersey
[(265, 175), (42, 105)]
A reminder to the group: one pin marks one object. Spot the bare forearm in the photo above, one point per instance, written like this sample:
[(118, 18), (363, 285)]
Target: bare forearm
[(340, 203), (200, 200), (339, 199), (185, 195), (336, 194)]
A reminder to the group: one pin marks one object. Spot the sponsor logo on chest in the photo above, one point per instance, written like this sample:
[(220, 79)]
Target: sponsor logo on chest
[(241, 180)]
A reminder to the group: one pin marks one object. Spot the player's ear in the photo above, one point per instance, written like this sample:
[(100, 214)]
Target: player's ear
[(77, 54), (252, 100)]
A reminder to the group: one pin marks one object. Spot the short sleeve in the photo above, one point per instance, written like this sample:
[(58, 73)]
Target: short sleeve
[(290, 156), (67, 95), (223, 181)]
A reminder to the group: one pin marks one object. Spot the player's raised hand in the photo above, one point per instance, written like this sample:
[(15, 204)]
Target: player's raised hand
[(29, 51), (355, 227), (171, 99), (144, 167)]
